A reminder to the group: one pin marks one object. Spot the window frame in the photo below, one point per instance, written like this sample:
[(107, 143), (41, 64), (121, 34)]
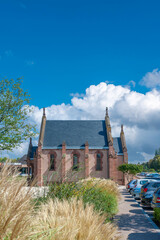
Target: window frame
[(55, 155), (74, 168), (101, 161)]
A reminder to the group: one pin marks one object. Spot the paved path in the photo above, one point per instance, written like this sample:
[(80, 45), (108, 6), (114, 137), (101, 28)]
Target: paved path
[(132, 221)]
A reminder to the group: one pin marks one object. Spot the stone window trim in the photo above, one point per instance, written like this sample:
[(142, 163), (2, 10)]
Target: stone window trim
[(49, 157), (75, 152), (95, 156)]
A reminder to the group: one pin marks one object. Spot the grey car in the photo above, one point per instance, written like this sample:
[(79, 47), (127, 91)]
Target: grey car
[(130, 185), (149, 187), (156, 199), (146, 199)]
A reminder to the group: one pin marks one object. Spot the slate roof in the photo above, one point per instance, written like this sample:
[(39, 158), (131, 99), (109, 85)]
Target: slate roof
[(23, 160), (117, 145), (75, 133), (33, 150)]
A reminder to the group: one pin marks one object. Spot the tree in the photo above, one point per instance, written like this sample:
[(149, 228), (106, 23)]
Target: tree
[(14, 109), (157, 151), (132, 169), (155, 163), (123, 168), (5, 159)]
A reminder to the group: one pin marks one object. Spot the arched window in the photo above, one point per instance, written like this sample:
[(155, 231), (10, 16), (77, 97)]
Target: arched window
[(98, 162), (75, 162), (52, 162)]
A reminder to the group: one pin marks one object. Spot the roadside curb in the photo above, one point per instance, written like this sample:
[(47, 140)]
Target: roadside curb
[(147, 216)]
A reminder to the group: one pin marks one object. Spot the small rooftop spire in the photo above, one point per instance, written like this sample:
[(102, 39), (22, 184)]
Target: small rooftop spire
[(42, 129), (86, 143), (122, 128), (106, 111), (123, 141), (44, 114)]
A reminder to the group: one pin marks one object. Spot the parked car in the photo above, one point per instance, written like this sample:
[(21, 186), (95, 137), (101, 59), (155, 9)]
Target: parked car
[(153, 175), (143, 174), (156, 199), (137, 187), (147, 199), (130, 185), (147, 191), (150, 187)]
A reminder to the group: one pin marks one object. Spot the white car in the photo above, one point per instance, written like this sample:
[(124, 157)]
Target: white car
[(136, 190)]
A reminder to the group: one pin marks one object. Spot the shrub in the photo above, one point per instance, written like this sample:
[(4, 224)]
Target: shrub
[(101, 193), (157, 214), (102, 201), (72, 221), (106, 184), (64, 190)]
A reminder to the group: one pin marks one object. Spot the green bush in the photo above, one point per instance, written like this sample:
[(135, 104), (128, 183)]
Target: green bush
[(65, 190), (102, 200), (157, 214)]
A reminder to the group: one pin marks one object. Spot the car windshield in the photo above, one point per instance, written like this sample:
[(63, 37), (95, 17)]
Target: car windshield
[(143, 182), (157, 190), (156, 185), (145, 185), (130, 181)]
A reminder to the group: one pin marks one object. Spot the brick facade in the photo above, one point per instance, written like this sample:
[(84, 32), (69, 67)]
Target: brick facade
[(87, 157), (87, 166)]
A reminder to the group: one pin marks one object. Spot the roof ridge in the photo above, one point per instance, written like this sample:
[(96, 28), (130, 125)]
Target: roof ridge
[(76, 120)]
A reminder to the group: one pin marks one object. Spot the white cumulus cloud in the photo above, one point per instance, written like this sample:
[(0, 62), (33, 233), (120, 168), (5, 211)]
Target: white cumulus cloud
[(140, 114), (151, 79)]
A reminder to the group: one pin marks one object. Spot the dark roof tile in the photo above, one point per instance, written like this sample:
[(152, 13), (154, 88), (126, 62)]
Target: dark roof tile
[(33, 150), (75, 133), (117, 145)]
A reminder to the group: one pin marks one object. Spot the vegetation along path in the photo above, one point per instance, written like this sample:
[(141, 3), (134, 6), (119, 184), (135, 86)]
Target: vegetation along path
[(132, 221)]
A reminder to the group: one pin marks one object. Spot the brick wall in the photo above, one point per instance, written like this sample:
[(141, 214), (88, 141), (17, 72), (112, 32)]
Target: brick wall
[(69, 174), (92, 164)]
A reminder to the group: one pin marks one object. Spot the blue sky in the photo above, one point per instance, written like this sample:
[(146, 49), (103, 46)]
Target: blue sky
[(62, 47), (77, 57)]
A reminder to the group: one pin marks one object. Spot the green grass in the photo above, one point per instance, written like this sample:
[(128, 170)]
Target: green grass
[(156, 215)]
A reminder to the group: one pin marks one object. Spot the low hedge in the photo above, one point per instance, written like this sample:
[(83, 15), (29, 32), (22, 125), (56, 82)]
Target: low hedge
[(157, 215), (103, 201)]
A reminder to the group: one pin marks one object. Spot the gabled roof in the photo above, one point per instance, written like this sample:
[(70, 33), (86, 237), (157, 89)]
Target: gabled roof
[(75, 133)]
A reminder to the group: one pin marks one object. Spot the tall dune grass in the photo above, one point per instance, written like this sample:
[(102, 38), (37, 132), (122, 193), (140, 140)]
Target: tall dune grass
[(73, 221), (15, 207), (57, 220)]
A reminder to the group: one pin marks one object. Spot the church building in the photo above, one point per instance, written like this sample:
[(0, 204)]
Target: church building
[(70, 150)]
